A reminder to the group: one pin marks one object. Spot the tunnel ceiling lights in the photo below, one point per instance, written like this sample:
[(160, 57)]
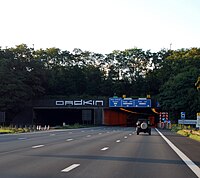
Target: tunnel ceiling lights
[(133, 112), (154, 110)]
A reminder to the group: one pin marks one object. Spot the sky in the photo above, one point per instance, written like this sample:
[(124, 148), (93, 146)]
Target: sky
[(100, 26)]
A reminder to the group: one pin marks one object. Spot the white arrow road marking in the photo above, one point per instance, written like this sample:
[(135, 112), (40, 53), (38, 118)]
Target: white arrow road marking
[(37, 146), (118, 141), (73, 166), (187, 161), (69, 139), (104, 149)]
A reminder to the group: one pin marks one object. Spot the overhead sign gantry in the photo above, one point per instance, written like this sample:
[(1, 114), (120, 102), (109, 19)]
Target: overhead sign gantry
[(129, 102)]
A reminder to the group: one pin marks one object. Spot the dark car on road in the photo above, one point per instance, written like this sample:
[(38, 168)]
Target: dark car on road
[(143, 125)]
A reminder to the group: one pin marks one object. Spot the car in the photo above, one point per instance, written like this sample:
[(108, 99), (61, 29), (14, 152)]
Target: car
[(143, 125)]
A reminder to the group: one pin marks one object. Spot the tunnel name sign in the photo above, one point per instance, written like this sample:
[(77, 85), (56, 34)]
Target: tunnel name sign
[(80, 103)]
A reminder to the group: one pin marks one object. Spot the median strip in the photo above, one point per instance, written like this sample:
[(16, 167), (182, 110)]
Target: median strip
[(73, 166)]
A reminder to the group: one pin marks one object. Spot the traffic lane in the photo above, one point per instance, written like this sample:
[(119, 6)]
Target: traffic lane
[(28, 144), (139, 156), (47, 161), (189, 147), (127, 158), (103, 157), (16, 141), (25, 141), (38, 134)]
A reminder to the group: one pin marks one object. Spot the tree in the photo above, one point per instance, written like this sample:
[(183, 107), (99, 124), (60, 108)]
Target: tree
[(197, 84), (21, 78), (178, 93)]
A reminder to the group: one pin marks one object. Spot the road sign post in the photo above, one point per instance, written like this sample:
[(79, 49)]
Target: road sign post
[(198, 120), (183, 117), (2, 117)]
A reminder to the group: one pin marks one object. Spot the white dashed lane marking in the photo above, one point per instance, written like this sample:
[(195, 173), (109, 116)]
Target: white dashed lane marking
[(73, 166), (69, 139), (22, 138), (37, 146), (125, 137), (104, 149), (118, 141)]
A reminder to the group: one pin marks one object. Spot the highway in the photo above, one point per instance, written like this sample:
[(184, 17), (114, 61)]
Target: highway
[(99, 152)]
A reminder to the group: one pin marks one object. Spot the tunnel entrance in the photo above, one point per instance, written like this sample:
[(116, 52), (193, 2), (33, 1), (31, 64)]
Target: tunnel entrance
[(55, 117), (129, 116)]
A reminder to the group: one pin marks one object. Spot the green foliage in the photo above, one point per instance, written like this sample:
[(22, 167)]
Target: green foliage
[(178, 93), (167, 75), (176, 128), (195, 137), (190, 134), (6, 130), (197, 84)]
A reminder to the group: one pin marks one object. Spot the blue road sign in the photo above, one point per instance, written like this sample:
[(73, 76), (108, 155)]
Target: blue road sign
[(128, 103), (115, 102), (143, 103), (182, 115)]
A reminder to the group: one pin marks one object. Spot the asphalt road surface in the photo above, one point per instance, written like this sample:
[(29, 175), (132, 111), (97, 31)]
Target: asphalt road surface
[(102, 152)]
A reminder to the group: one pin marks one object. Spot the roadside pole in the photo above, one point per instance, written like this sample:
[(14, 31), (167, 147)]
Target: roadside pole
[(183, 118), (198, 121)]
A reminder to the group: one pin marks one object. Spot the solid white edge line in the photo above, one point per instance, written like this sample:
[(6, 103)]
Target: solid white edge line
[(37, 146), (187, 161), (73, 166)]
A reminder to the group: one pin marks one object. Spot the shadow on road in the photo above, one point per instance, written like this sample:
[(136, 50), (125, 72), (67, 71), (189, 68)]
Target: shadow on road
[(112, 158)]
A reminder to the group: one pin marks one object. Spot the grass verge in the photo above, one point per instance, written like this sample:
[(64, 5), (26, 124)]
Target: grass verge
[(195, 135), (75, 126), (8, 130)]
